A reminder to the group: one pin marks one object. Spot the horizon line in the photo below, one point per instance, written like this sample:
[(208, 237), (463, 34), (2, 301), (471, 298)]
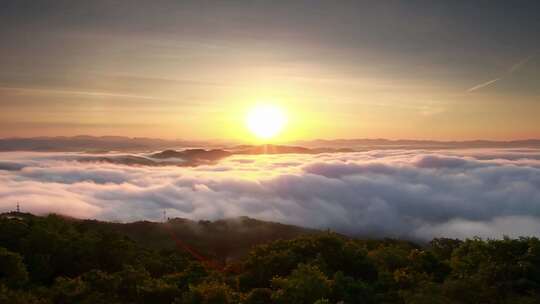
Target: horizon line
[(286, 141)]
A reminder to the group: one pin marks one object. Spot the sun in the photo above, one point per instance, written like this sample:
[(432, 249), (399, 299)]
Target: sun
[(266, 121)]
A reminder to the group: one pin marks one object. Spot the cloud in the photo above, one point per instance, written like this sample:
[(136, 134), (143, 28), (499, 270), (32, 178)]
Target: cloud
[(512, 226), (483, 84), (514, 68), (417, 194), (75, 92), (10, 166)]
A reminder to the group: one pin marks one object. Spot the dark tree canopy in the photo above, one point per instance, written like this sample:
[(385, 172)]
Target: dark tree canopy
[(57, 260)]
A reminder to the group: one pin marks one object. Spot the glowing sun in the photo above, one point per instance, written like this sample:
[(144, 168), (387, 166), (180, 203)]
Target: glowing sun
[(266, 121)]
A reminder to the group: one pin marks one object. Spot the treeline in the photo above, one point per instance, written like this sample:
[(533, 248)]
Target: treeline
[(54, 260)]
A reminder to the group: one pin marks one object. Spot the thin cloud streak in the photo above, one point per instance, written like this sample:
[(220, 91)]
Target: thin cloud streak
[(514, 68), (85, 93), (518, 65), (483, 85)]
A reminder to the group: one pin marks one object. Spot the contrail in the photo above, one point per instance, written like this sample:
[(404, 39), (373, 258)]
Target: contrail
[(70, 92), (518, 65), (515, 67), (483, 85)]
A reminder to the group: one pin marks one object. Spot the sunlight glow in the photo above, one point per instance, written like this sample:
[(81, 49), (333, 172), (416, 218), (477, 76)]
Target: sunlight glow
[(266, 121)]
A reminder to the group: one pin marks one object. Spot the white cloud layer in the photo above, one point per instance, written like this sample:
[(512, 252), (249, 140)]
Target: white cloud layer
[(396, 193)]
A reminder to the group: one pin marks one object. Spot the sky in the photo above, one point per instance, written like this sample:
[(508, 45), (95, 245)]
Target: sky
[(447, 70)]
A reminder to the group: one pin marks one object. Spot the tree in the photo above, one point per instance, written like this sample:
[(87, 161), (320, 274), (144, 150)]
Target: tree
[(208, 293), (12, 269), (259, 296), (9, 296), (305, 285), (442, 248), (349, 290)]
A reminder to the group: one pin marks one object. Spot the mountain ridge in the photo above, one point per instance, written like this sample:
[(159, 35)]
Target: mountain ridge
[(223, 239), (88, 143)]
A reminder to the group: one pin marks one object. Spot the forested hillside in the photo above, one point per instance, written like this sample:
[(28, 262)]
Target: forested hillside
[(57, 260), (223, 240)]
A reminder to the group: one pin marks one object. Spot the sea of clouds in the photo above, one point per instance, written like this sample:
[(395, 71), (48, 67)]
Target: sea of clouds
[(416, 194)]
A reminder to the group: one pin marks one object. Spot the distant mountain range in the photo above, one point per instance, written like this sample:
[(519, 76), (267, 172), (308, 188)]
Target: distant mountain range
[(85, 143), (282, 149), (381, 143), (196, 157)]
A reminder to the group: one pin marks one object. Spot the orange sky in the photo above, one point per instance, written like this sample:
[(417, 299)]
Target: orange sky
[(191, 70)]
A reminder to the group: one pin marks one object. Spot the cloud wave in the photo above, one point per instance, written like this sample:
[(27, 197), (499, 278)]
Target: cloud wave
[(416, 194)]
